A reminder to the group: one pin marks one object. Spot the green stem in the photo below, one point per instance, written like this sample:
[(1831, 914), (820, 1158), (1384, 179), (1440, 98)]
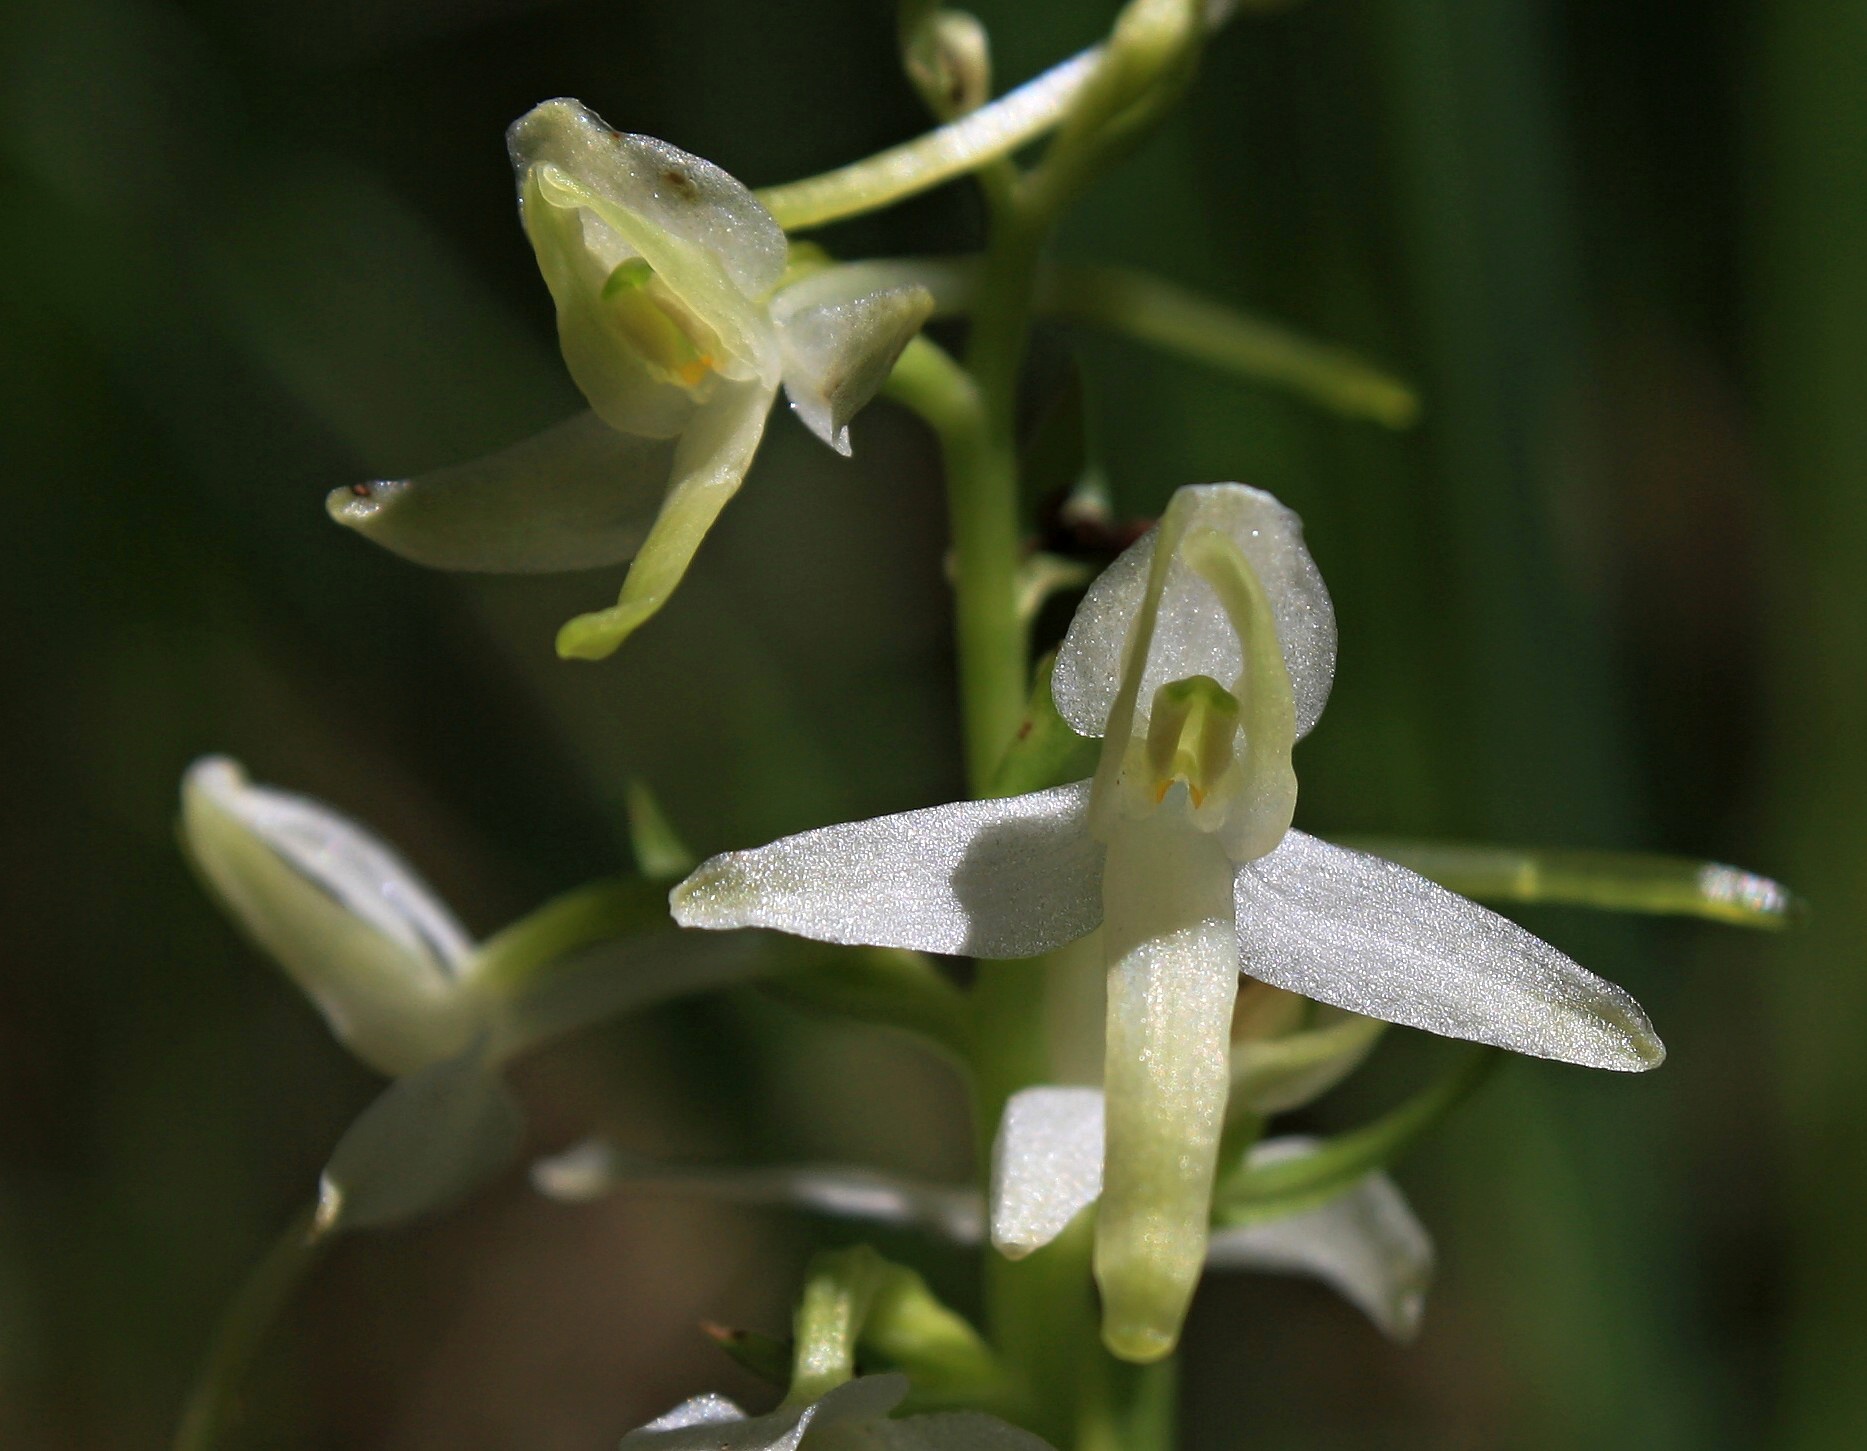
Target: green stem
[(214, 1403), (974, 140)]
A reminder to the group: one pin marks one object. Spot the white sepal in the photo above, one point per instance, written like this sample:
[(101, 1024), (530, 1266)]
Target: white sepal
[(1365, 1243), (1046, 1165), (1192, 634), (1363, 933), (351, 923), (576, 496), (430, 1139), (1003, 878), (852, 1417), (839, 340)]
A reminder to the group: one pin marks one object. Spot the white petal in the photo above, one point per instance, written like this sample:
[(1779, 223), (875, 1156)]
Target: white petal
[(578, 495), (1172, 983), (711, 1423), (707, 1410), (710, 463), (1365, 1243), (1368, 935), (1046, 1165), (839, 345), (428, 1140), (350, 922), (1193, 635), (1005, 878), (841, 1191)]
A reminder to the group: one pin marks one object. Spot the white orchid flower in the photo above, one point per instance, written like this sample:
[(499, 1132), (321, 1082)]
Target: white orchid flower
[(666, 274), (851, 1417), (1200, 657), (403, 986)]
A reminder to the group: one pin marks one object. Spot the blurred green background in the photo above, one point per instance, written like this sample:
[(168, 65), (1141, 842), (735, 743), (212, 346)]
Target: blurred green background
[(1612, 592)]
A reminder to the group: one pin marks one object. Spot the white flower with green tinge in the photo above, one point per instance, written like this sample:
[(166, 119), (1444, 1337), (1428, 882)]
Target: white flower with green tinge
[(405, 988), (851, 1417), (1200, 657), (676, 323)]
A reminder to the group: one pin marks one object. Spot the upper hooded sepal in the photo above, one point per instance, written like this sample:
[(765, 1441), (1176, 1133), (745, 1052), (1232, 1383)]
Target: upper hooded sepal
[(659, 263), (1193, 634)]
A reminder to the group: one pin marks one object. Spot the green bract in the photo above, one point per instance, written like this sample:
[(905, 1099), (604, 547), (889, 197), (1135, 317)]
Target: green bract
[(1199, 657), (666, 276)]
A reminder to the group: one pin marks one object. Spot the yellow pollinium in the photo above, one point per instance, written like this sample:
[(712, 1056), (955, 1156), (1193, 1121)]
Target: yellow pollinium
[(666, 338), (1192, 731)]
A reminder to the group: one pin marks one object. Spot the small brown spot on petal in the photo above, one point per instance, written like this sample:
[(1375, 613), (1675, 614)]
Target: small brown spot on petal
[(362, 491)]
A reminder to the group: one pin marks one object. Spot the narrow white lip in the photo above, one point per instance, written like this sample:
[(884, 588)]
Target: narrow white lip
[(342, 859)]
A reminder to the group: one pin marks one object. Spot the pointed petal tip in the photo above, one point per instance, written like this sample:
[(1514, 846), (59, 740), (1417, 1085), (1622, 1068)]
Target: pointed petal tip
[(355, 505)]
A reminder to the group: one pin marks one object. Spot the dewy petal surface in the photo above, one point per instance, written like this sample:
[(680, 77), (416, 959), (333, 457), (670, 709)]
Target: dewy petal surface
[(839, 340), (1365, 1243), (710, 463), (1172, 983), (1193, 634), (576, 496), (1363, 933), (1046, 1165), (350, 922), (1010, 877)]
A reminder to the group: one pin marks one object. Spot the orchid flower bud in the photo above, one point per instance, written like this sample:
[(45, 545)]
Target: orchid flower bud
[(349, 921)]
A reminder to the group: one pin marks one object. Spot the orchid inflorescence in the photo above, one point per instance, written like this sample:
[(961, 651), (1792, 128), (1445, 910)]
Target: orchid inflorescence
[(1200, 965)]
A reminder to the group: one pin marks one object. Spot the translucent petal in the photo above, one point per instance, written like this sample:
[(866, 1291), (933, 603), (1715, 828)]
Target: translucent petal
[(1193, 635), (431, 1138), (1365, 1243), (840, 1191), (706, 236), (710, 463), (839, 344), (1046, 1165), (350, 922), (712, 1423), (1368, 935), (578, 495), (1010, 877), (1172, 981)]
